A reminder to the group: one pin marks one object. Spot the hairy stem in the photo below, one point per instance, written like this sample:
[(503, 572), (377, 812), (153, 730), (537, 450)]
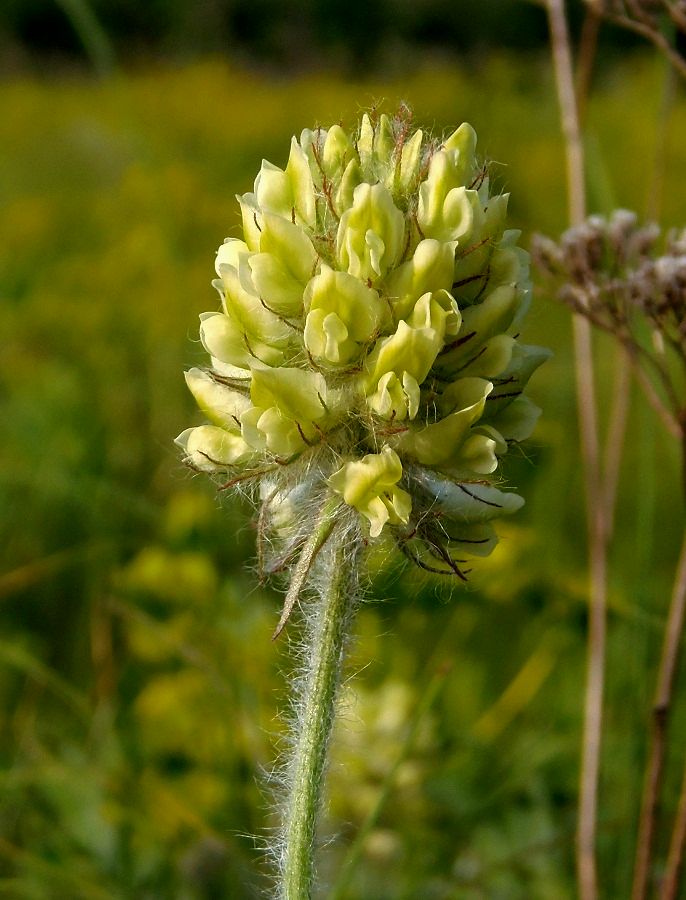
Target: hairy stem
[(596, 512), (314, 720)]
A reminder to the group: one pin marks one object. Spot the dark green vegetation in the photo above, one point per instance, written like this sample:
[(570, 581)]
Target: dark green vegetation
[(139, 691), (298, 33)]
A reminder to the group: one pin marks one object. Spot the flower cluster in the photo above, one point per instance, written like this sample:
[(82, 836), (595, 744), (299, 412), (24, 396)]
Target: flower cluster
[(366, 343), (612, 272)]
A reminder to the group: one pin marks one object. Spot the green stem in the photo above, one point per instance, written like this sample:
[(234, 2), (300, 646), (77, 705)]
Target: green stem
[(93, 36), (314, 722)]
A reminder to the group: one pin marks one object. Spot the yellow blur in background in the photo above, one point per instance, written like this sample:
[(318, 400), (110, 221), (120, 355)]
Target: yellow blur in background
[(140, 692)]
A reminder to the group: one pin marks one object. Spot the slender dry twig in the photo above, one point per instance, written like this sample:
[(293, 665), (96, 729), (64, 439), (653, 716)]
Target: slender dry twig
[(661, 710), (655, 37), (657, 183), (619, 409), (640, 362), (651, 395), (610, 298), (615, 279), (632, 16), (596, 518), (655, 764), (677, 845), (588, 45), (614, 441), (677, 14), (562, 58)]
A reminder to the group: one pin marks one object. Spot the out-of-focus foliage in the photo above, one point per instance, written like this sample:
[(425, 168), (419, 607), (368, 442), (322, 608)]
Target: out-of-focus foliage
[(139, 697), (297, 33)]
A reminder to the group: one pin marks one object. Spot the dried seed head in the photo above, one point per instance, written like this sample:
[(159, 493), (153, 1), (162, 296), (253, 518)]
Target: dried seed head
[(612, 272)]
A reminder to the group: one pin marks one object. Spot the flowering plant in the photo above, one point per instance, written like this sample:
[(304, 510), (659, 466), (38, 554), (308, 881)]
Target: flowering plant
[(364, 344), (365, 378)]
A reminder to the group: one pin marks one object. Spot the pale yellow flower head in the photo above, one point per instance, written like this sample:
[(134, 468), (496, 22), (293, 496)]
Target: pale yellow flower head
[(366, 344)]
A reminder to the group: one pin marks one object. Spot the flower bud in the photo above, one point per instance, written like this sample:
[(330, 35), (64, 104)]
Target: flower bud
[(212, 449)]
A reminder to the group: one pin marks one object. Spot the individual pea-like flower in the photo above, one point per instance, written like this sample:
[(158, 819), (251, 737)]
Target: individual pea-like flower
[(371, 486), (366, 347)]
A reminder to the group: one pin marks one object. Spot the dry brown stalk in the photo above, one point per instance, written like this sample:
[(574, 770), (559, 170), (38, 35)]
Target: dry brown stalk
[(660, 720), (668, 420), (615, 278), (596, 517), (670, 884), (614, 442), (588, 45), (640, 17), (643, 19)]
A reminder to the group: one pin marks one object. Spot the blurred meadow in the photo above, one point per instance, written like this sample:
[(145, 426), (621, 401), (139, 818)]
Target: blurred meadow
[(140, 692)]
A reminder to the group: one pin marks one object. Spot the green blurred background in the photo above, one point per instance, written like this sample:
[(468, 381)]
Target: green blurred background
[(140, 693)]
